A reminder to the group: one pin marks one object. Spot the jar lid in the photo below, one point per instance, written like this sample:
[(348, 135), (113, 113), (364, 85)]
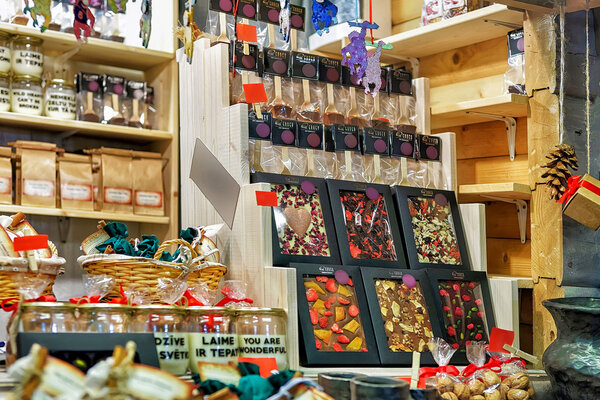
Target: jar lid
[(27, 78), (210, 310), (28, 39), (159, 307), (104, 306), (63, 82), (4, 75), (260, 310), (4, 35), (46, 304)]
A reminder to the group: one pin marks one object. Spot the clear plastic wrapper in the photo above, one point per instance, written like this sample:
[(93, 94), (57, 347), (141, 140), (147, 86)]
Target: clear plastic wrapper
[(98, 285), (337, 104), (89, 97), (280, 93), (479, 378), (31, 287), (416, 173), (444, 380), (114, 109), (349, 166), (452, 8), (169, 290), (136, 91), (360, 108), (407, 110), (203, 293), (308, 97), (237, 80), (391, 170), (388, 108), (234, 292), (437, 176), (514, 76), (149, 114), (378, 119), (325, 165), (431, 12)]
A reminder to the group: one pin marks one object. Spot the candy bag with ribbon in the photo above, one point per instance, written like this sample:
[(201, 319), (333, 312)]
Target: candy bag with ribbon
[(31, 287), (480, 378), (235, 294), (169, 291), (96, 288), (515, 380), (445, 376), (201, 293)]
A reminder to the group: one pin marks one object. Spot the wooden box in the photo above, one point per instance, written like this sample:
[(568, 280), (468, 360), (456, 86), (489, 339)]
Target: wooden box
[(584, 205)]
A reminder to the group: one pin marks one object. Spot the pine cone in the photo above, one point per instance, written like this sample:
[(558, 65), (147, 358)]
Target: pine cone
[(561, 159)]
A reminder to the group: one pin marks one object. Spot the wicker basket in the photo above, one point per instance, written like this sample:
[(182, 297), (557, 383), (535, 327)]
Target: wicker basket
[(46, 267), (143, 273)]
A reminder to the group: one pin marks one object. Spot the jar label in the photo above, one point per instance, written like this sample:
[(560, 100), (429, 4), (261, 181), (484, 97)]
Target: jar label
[(152, 383), (26, 101), (114, 195), (218, 348), (26, 61), (172, 351), (60, 105), (4, 59), (4, 99), (73, 191), (265, 346), (5, 185), (144, 198), (38, 188)]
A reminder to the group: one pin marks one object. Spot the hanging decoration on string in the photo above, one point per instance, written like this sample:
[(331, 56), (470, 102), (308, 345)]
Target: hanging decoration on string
[(187, 32), (146, 22), (324, 14), (284, 19), (83, 20), (40, 8), (118, 6), (373, 71), (557, 174), (354, 54)]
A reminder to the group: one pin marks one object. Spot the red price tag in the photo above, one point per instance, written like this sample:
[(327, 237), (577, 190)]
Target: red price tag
[(24, 243), (500, 337), (246, 33), (266, 199), (255, 93)]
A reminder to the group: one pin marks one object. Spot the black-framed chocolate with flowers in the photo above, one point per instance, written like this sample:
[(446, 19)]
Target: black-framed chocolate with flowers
[(334, 317), (302, 223), (463, 307), (366, 224), (432, 228), (403, 313)]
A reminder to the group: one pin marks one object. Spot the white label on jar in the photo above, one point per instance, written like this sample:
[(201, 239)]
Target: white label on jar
[(60, 105), (26, 101), (148, 199), (116, 195), (217, 348), (172, 351), (4, 99), (73, 191), (26, 62), (4, 59), (38, 188), (5, 185), (265, 346)]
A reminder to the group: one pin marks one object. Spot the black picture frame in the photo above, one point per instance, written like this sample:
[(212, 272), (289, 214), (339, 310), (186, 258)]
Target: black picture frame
[(401, 195), (285, 259), (337, 186), (309, 355), (387, 356), (436, 275)]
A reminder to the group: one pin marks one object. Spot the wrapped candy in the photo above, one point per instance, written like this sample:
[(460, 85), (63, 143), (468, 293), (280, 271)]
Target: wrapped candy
[(445, 376)]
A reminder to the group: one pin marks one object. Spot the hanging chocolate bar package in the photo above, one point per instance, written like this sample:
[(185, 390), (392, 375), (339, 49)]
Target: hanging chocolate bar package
[(366, 224), (336, 96), (402, 149), (136, 91), (115, 111), (346, 143), (149, 114), (432, 228), (90, 97), (259, 138), (376, 146), (430, 149), (311, 142), (280, 89), (278, 158), (244, 60), (514, 77), (302, 224), (333, 316), (360, 110), (308, 93), (380, 116)]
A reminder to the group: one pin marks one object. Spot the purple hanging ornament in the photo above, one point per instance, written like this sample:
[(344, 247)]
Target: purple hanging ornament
[(354, 55), (324, 14), (40, 8), (84, 20), (146, 22), (284, 19), (373, 72)]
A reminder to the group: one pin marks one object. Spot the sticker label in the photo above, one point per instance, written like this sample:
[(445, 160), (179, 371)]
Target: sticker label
[(74, 191), (38, 188), (26, 101), (212, 347), (4, 59), (172, 350), (376, 141), (60, 378), (265, 346), (152, 383), (5, 185), (145, 198), (114, 195)]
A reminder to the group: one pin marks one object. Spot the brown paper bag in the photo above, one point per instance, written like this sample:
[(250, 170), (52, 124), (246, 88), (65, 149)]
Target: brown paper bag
[(36, 173), (6, 178), (75, 178), (117, 181), (148, 183)]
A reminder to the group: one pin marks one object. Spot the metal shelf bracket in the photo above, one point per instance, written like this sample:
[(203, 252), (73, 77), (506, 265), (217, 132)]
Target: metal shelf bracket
[(521, 214), (511, 129)]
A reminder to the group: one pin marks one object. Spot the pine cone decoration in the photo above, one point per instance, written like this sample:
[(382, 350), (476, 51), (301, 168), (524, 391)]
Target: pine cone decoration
[(558, 173)]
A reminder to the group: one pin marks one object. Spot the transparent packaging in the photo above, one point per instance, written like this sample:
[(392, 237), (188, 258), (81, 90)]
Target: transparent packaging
[(514, 76), (98, 285), (337, 104), (237, 80), (31, 287), (308, 98), (4, 92), (280, 93), (27, 57), (416, 173), (391, 170), (48, 317), (169, 291), (325, 165), (203, 293), (360, 108), (407, 114), (89, 102), (26, 95), (442, 353), (149, 117), (262, 333), (114, 109), (60, 100), (349, 166), (480, 379), (212, 336), (103, 318), (5, 52)]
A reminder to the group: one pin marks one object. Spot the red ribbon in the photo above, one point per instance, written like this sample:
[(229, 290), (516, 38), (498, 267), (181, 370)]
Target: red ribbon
[(493, 365), (227, 292), (123, 299), (574, 183), (427, 372), (12, 304), (191, 300), (84, 299)]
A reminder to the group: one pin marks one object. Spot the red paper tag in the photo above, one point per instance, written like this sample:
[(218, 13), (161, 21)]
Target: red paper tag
[(500, 337), (266, 365), (255, 93), (24, 243), (246, 33), (266, 199)]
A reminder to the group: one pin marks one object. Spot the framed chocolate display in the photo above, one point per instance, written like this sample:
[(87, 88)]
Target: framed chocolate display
[(302, 224), (432, 228), (366, 224), (334, 317), (402, 309), (463, 306)]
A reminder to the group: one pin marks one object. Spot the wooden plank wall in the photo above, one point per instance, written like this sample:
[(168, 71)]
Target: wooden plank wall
[(406, 15)]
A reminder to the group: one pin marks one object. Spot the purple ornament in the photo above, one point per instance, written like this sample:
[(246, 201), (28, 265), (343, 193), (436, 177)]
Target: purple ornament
[(357, 62), (342, 277), (409, 281), (373, 71)]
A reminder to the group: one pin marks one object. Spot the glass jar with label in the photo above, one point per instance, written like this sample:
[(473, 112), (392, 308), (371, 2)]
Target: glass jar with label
[(4, 52), (27, 57), (47, 317), (26, 95), (212, 336), (168, 323), (4, 92), (60, 101), (103, 318), (262, 333)]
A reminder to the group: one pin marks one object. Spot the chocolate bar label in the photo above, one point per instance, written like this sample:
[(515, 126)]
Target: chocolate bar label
[(376, 141), (284, 132), (305, 66)]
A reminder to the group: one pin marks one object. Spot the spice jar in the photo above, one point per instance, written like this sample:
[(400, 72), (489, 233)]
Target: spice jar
[(103, 318), (170, 335), (47, 317), (212, 336), (26, 95), (27, 57), (4, 92), (4, 52), (262, 333), (60, 101)]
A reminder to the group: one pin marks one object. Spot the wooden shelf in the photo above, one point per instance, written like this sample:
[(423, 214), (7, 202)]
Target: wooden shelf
[(508, 190), (461, 113), (96, 215), (463, 30), (99, 51), (522, 283), (549, 6), (83, 128)]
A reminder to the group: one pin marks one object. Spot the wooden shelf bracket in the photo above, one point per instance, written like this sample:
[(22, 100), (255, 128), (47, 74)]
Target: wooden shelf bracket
[(504, 23), (521, 214), (511, 129)]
